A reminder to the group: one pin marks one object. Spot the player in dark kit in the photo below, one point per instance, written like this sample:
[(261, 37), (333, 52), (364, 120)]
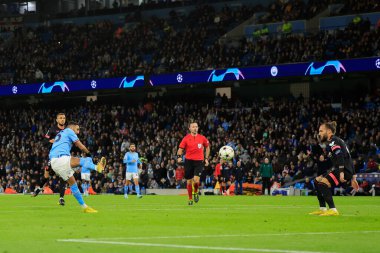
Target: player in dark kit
[(323, 166), (341, 172), (194, 145), (49, 139)]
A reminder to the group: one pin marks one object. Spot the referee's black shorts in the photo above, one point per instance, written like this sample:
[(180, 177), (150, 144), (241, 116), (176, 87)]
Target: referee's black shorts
[(333, 177), (193, 168)]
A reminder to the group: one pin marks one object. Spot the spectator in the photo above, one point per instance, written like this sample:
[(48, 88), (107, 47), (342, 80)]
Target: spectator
[(287, 27), (23, 155), (61, 51), (372, 166)]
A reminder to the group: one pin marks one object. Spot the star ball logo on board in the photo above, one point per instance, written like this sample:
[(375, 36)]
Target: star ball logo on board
[(377, 63), (214, 77), (337, 65), (274, 71), (45, 88), (93, 84), (130, 84), (14, 90), (179, 78)]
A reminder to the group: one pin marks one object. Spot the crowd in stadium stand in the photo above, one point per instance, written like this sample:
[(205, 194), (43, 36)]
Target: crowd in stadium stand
[(279, 10), (69, 52), (283, 131), (292, 9), (356, 7), (356, 40), (275, 12)]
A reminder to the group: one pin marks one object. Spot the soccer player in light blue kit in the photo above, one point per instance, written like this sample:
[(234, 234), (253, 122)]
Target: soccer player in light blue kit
[(63, 163), (132, 162), (86, 178)]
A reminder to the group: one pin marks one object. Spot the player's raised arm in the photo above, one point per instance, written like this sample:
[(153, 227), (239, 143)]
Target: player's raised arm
[(48, 137), (82, 147)]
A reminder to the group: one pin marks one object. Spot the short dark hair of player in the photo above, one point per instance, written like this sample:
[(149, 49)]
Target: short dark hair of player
[(59, 114), (132, 144), (73, 123), (192, 122), (331, 125)]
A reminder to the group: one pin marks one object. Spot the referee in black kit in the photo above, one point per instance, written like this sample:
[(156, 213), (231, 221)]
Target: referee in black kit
[(49, 139)]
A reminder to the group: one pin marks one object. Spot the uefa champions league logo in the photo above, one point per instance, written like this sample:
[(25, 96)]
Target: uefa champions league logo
[(377, 63), (274, 71), (129, 84), (93, 84), (338, 66), (45, 88), (218, 78), (14, 90), (179, 78)]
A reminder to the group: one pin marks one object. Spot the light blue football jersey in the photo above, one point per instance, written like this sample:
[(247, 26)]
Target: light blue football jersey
[(132, 167), (63, 143)]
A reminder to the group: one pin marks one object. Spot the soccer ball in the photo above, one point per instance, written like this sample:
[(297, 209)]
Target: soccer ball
[(226, 153)]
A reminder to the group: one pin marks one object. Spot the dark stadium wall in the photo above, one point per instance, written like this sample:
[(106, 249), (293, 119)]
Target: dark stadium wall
[(336, 88), (262, 89), (342, 88)]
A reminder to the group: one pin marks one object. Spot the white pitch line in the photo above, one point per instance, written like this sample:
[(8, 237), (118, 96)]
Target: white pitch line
[(229, 235), (210, 208), (187, 246)]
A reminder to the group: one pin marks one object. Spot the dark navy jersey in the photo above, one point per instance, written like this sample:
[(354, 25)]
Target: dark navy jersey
[(340, 155), (52, 133)]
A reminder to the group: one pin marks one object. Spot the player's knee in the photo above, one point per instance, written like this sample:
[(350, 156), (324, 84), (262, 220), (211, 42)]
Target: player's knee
[(326, 182)]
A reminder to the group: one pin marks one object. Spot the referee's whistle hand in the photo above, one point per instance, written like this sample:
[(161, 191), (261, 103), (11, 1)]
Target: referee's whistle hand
[(179, 160)]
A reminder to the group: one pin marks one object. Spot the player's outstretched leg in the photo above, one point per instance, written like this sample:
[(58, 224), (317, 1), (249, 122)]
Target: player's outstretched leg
[(85, 188), (138, 191), (38, 189), (321, 200), (327, 195), (137, 188), (126, 190), (78, 196), (130, 188), (88, 163), (62, 188)]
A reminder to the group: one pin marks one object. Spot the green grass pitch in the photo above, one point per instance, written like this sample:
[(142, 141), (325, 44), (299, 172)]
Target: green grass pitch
[(168, 224)]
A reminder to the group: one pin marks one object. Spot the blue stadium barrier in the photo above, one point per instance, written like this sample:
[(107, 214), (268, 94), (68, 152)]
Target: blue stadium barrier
[(297, 26), (330, 23)]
